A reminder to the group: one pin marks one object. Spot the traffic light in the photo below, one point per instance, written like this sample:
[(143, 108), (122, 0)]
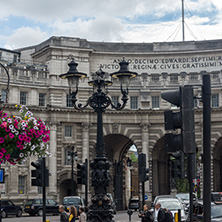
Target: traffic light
[(81, 173), (183, 120), (177, 165), (37, 173), (143, 171)]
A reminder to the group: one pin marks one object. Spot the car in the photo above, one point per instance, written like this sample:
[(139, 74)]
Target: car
[(9, 208), (185, 198), (216, 197), (112, 203), (75, 201), (134, 203), (171, 203), (35, 206), (216, 211)]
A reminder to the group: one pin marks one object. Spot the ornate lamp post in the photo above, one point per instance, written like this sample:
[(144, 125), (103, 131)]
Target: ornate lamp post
[(71, 156), (100, 209)]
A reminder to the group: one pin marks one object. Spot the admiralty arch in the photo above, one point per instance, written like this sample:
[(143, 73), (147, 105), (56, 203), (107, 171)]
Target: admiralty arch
[(35, 82)]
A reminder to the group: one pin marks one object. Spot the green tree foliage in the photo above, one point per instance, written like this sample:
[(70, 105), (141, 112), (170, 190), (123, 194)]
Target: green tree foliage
[(133, 157)]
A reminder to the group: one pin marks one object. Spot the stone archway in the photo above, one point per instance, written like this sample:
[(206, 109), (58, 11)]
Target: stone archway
[(217, 166), (117, 146), (160, 169)]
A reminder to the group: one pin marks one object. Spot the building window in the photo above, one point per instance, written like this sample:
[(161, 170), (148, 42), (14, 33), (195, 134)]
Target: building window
[(215, 76), (195, 103), (174, 78), (4, 93), (69, 101), (155, 78), (0, 55), (23, 98), (21, 185), (134, 102), (67, 160), (115, 100), (15, 58), (155, 102), (215, 100), (68, 131), (42, 99), (193, 77)]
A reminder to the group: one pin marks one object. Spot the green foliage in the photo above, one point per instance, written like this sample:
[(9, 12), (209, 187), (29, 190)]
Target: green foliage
[(133, 157)]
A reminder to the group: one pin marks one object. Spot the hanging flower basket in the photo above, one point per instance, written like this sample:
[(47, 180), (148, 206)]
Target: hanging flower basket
[(22, 136)]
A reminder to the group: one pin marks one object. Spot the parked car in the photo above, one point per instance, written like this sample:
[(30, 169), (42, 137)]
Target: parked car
[(35, 206), (134, 203), (112, 202), (9, 208), (75, 201), (216, 197), (171, 203)]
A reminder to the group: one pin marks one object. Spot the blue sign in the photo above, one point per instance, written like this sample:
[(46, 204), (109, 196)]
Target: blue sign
[(146, 197), (2, 173)]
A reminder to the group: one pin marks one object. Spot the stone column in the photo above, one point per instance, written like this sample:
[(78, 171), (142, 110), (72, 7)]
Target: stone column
[(145, 150), (53, 161), (85, 151), (13, 180)]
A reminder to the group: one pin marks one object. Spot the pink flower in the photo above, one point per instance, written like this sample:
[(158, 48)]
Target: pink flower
[(28, 139), (7, 129), (3, 150), (7, 156), (18, 144), (1, 140), (4, 124), (1, 155), (5, 114), (11, 135), (21, 147), (21, 137)]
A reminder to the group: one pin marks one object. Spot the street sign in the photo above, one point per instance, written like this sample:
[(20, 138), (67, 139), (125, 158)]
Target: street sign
[(2, 173), (145, 197)]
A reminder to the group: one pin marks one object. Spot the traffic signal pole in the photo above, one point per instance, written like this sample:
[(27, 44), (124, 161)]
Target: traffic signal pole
[(206, 98), (43, 190)]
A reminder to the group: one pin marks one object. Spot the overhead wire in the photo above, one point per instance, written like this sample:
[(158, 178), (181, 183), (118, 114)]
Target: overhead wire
[(178, 27)]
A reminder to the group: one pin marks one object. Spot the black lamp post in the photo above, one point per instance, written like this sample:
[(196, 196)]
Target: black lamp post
[(1, 103), (100, 209), (71, 157)]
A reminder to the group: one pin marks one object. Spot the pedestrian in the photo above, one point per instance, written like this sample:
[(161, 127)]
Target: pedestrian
[(82, 217), (72, 214), (168, 215), (146, 215), (64, 217), (159, 213)]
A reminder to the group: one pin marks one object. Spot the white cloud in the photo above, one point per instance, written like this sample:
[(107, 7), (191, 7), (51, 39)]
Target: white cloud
[(25, 36)]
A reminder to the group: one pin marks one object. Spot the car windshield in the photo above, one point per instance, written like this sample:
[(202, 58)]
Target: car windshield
[(170, 204), (216, 197), (183, 196), (216, 211), (29, 202), (71, 201)]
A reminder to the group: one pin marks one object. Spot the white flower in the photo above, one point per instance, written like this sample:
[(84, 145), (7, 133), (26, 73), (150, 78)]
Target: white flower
[(25, 143), (11, 127), (33, 147), (35, 127), (21, 155), (16, 133), (50, 155), (9, 121)]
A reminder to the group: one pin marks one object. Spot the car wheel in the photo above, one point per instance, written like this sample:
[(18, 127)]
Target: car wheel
[(19, 213), (40, 212), (4, 214)]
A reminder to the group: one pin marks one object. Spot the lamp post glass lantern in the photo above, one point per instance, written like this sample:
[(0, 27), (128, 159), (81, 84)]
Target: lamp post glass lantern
[(100, 209)]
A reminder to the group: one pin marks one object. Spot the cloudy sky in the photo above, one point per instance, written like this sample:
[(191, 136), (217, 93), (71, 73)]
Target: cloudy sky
[(29, 22)]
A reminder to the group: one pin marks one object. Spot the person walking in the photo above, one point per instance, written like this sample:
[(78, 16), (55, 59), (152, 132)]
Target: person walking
[(64, 217), (159, 213), (72, 214), (146, 216), (82, 217)]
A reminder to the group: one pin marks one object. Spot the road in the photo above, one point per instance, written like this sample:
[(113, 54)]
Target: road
[(121, 216)]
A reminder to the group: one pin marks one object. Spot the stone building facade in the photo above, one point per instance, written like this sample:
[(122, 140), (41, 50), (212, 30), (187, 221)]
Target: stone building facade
[(160, 66)]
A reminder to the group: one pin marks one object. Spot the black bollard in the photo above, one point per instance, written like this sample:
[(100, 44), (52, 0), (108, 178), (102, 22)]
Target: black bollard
[(129, 212)]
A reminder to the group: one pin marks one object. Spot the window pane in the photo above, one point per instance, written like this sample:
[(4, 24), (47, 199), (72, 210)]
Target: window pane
[(215, 100), (115, 100), (155, 102), (4, 95), (21, 185), (68, 131), (134, 102), (67, 160), (23, 96), (42, 99), (68, 101)]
